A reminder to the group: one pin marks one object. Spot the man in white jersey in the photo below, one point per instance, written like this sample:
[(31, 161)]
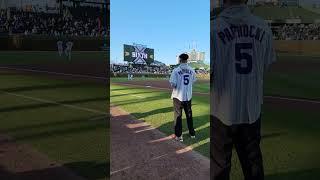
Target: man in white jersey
[(181, 80), (60, 47), (242, 50), (130, 68), (68, 49)]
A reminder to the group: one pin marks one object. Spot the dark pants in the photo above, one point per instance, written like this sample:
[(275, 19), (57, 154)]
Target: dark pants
[(246, 140), (178, 106)]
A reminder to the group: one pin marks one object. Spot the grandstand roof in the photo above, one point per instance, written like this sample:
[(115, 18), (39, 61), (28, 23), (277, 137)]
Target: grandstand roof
[(20, 4), (277, 13)]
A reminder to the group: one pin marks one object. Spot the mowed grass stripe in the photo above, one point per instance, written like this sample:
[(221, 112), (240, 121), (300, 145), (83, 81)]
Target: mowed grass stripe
[(55, 103), (86, 95), (51, 57), (74, 137)]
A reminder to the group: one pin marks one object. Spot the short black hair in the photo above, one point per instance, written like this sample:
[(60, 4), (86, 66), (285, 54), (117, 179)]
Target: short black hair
[(237, 1), (184, 57)]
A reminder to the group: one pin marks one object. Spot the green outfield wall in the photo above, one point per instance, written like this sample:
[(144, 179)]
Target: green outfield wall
[(298, 46), (151, 75), (45, 43)]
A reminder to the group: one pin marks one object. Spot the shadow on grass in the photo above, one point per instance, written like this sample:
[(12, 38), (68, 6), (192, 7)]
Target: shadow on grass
[(128, 94), (153, 112), (142, 100), (58, 103), (69, 171), (84, 125), (61, 123), (90, 170), (307, 174), (44, 87)]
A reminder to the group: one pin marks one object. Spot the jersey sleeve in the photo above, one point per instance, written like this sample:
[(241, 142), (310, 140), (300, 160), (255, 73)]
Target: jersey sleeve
[(213, 45), (173, 79), (270, 56), (194, 77)]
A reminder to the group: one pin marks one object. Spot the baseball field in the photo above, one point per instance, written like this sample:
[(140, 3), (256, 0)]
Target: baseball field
[(290, 126), (56, 109)]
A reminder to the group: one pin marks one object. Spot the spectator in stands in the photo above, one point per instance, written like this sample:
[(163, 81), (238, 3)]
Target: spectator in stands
[(28, 23), (298, 32), (147, 70)]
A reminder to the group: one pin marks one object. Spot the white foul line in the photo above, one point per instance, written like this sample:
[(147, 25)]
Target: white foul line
[(151, 87), (128, 94), (56, 103), (56, 73), (293, 99)]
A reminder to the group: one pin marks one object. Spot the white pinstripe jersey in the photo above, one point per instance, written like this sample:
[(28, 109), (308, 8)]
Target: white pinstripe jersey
[(182, 79), (241, 51), (60, 44)]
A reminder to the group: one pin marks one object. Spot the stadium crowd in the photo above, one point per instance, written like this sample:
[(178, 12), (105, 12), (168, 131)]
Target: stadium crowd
[(116, 68), (140, 70), (28, 23), (297, 32)]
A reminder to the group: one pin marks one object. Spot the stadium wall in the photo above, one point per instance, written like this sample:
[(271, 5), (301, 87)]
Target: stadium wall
[(151, 75), (147, 75), (45, 43), (298, 46)]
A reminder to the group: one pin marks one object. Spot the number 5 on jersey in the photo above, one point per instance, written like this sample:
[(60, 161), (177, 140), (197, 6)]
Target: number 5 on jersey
[(243, 56), (186, 79)]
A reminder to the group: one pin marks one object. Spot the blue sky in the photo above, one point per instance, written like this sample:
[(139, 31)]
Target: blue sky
[(167, 26)]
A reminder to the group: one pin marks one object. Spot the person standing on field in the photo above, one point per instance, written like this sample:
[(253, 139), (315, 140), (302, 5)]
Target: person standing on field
[(181, 80), (241, 52), (68, 49), (60, 47)]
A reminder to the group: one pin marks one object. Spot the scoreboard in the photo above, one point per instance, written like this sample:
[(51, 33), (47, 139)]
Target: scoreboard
[(138, 54)]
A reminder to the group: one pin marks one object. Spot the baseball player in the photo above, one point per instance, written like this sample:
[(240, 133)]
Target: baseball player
[(242, 51), (68, 49), (181, 80), (130, 75), (60, 47)]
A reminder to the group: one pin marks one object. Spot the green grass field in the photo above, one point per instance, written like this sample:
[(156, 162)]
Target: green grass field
[(63, 119), (52, 57), (290, 141), (301, 82)]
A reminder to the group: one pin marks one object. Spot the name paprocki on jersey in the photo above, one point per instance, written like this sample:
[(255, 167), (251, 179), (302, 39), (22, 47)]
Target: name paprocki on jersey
[(241, 51), (182, 79)]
